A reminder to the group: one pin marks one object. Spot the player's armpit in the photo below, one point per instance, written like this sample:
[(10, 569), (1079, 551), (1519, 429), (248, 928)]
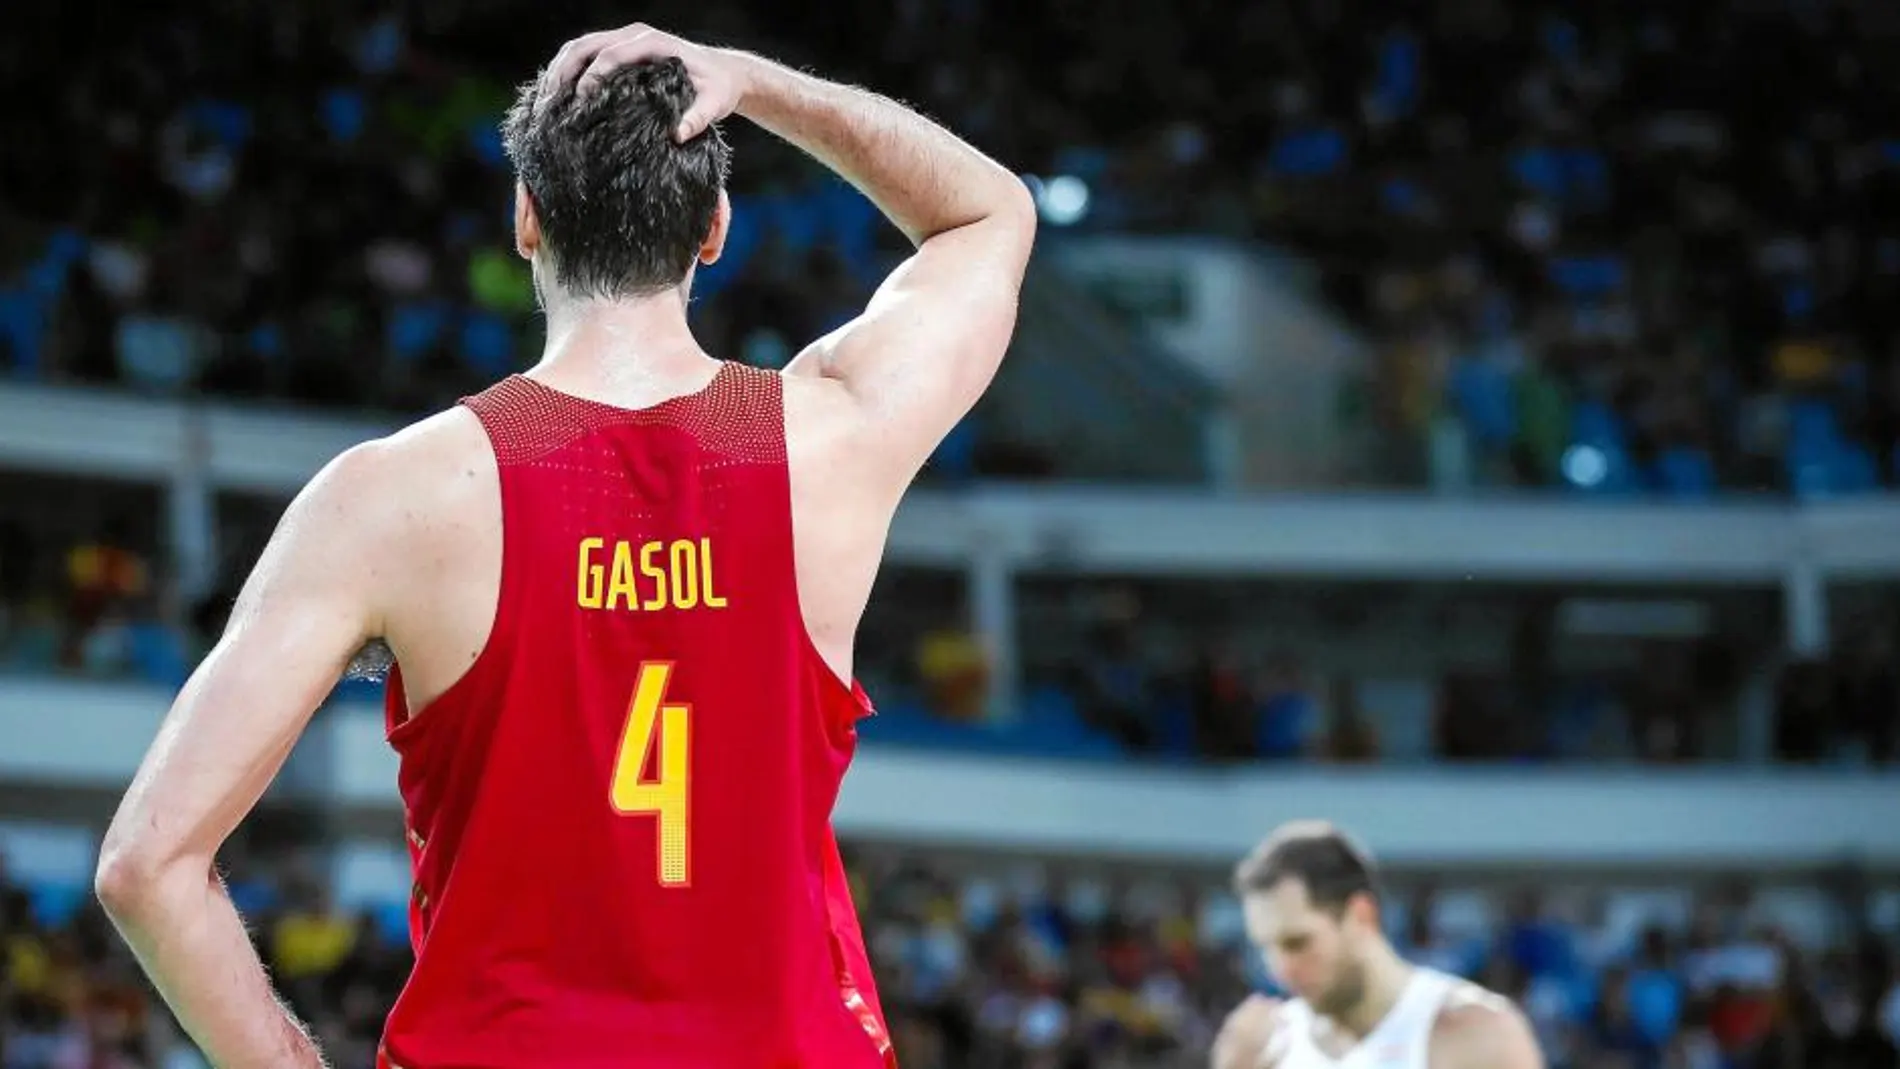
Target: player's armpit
[(930, 340), (1487, 1033)]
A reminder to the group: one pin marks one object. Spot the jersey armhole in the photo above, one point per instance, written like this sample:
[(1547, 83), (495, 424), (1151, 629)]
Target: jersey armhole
[(399, 732), (846, 693)]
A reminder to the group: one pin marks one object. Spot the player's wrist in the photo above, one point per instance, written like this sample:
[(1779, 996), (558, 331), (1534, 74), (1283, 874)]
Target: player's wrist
[(751, 76)]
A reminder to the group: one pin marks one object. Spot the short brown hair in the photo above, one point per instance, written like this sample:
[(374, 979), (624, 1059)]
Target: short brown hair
[(624, 208), (1330, 863)]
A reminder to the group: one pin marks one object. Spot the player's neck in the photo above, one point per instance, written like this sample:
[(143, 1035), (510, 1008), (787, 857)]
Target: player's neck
[(641, 338), (1386, 977)]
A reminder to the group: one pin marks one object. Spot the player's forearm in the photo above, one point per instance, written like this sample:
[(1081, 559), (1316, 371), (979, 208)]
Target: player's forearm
[(191, 941), (924, 178)]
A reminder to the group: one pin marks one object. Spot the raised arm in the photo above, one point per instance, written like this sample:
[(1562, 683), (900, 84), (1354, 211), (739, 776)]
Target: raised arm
[(932, 337), (924, 178), (934, 334), (308, 606)]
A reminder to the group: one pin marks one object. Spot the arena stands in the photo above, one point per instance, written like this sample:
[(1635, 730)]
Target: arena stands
[(1005, 964), (1565, 228)]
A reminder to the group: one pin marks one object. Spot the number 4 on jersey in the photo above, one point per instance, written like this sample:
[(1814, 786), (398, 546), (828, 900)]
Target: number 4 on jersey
[(665, 797)]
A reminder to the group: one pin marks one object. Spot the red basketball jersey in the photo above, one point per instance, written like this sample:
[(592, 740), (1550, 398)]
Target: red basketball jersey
[(620, 817)]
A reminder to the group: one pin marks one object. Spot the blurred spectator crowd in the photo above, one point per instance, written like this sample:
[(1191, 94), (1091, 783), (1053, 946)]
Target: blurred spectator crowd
[(1159, 684), (1622, 249), (994, 966), (310, 202), (86, 593), (1654, 249), (92, 607)]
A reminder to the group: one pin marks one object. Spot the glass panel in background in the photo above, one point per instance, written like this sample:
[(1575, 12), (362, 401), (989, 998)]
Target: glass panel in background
[(84, 589)]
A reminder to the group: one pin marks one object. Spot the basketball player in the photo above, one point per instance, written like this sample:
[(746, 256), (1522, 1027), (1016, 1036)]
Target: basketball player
[(1311, 900), (621, 592)]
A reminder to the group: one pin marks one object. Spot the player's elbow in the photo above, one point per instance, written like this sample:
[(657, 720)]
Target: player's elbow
[(1018, 206), (1016, 209), (999, 244), (1005, 219), (122, 879), (133, 869)]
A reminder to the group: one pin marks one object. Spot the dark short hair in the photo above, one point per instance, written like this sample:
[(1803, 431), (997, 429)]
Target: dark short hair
[(1332, 866), (623, 207)]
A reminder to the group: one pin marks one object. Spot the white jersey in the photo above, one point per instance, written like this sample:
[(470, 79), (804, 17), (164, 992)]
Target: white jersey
[(1402, 1039)]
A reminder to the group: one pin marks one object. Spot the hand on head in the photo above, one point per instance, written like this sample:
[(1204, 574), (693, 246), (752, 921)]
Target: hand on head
[(717, 76)]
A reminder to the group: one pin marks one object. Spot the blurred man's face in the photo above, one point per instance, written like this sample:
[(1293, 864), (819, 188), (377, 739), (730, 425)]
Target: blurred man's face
[(1313, 953)]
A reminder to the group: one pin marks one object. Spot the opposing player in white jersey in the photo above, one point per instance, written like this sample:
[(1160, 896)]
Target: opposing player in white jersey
[(1311, 897)]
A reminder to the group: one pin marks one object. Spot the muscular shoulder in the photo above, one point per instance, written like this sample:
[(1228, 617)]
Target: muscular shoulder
[(442, 460), (826, 437), (393, 505), (818, 409), (391, 485), (834, 429), (811, 397), (1480, 1029)]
